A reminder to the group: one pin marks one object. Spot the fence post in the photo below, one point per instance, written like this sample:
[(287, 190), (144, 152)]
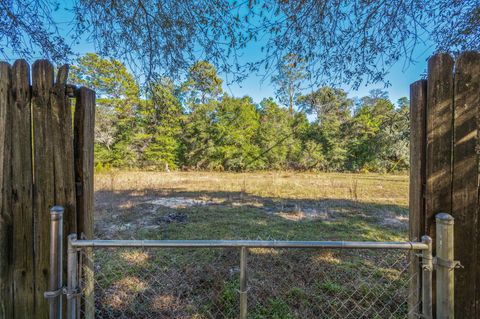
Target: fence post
[(445, 264), (243, 283), (54, 295), (84, 131), (72, 279), (427, 269)]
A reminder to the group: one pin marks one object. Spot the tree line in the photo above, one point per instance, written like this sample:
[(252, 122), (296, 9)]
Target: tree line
[(195, 125)]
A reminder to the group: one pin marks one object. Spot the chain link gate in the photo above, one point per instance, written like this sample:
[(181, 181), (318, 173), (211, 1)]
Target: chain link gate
[(249, 278)]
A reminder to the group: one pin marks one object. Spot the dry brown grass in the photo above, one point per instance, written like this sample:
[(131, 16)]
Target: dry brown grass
[(372, 188)]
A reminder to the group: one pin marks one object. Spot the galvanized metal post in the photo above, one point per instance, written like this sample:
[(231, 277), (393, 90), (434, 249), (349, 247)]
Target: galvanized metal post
[(427, 269), (445, 264), (243, 283), (72, 279), (54, 294)]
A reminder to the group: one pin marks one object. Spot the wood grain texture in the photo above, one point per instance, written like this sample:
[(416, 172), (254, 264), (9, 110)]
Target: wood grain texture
[(6, 269), (465, 199), (438, 191), (83, 147), (84, 126), (22, 196), (43, 168), (62, 133), (418, 108), (439, 140)]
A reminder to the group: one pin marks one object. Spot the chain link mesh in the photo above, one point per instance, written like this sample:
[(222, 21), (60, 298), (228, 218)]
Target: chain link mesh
[(202, 283)]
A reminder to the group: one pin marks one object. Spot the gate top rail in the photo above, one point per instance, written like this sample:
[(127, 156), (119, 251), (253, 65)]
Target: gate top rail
[(249, 244)]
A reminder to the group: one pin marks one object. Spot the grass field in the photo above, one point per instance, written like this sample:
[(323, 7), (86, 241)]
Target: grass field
[(203, 283), (251, 205)]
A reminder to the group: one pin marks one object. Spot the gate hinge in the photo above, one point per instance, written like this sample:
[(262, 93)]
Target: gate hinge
[(75, 292), (53, 293), (447, 263)]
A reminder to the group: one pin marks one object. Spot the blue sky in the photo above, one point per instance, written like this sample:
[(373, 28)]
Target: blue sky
[(399, 77)]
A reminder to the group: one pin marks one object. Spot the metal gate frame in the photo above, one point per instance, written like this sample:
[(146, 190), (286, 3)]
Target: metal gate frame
[(444, 262)]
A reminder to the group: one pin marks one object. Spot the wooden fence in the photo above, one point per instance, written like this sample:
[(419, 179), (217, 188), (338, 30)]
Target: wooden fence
[(444, 172), (46, 159)]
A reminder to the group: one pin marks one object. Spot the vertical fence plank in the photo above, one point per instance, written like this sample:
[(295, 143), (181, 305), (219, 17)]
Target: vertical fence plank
[(418, 107), (22, 185), (6, 284), (438, 192), (465, 180), (43, 191), (83, 146), (439, 139), (418, 140), (62, 134)]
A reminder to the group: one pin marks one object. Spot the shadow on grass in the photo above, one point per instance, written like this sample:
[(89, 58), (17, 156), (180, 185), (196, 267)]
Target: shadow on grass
[(172, 214)]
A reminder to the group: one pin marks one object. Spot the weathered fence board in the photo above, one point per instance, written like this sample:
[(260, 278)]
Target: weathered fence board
[(6, 270), (64, 177), (43, 168), (84, 138), (452, 166), (439, 128), (22, 185), (418, 107), (38, 170), (439, 144), (465, 179), (84, 161)]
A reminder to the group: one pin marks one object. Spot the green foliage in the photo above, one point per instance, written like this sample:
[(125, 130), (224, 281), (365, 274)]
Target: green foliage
[(220, 135), (379, 135), (291, 73), (202, 83), (236, 126), (333, 112), (160, 118), (275, 136), (194, 125), (199, 137)]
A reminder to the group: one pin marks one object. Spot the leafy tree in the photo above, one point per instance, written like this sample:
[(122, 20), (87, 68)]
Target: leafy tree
[(397, 134), (325, 102), (312, 156), (291, 73), (379, 134), (301, 128), (118, 97), (199, 137), (161, 118), (221, 135), (236, 126), (275, 135), (332, 108), (202, 83)]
